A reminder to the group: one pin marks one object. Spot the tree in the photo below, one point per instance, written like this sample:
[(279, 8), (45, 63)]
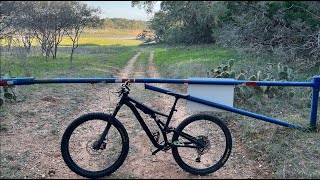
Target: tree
[(43, 18), (120, 23), (26, 37), (290, 28), (146, 5), (59, 24), (80, 16), (45, 21), (189, 22), (287, 28), (9, 11)]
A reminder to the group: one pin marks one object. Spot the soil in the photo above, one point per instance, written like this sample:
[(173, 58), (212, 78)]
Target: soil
[(30, 141)]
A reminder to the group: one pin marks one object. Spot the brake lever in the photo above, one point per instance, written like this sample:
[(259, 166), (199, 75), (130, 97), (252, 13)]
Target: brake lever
[(119, 92)]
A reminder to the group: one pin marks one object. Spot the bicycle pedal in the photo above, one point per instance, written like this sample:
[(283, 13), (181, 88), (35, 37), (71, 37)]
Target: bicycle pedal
[(155, 152)]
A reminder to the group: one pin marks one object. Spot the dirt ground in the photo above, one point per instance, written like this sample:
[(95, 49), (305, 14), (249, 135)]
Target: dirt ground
[(31, 132)]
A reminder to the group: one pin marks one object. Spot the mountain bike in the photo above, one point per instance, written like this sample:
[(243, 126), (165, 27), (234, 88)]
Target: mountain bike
[(96, 144)]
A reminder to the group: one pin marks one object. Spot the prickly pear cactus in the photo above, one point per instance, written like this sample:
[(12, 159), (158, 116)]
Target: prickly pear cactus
[(232, 74), (253, 78), (241, 76), (224, 70), (231, 63), (272, 72)]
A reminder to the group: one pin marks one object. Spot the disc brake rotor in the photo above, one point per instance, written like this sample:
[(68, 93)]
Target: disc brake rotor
[(91, 143)]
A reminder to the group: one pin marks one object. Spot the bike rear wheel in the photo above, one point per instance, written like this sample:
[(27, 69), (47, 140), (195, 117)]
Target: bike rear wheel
[(80, 137), (213, 134)]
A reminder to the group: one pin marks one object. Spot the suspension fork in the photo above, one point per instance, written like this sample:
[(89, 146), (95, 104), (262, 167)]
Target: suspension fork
[(106, 130)]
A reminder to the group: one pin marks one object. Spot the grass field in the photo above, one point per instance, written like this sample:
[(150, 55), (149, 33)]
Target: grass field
[(110, 33), (88, 62), (102, 41), (97, 37), (178, 61)]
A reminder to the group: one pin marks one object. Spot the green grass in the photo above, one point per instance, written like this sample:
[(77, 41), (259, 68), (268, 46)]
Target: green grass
[(290, 153), (182, 55), (144, 57), (88, 62), (176, 62)]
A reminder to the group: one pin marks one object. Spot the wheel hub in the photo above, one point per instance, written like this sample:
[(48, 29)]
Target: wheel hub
[(205, 141), (93, 151)]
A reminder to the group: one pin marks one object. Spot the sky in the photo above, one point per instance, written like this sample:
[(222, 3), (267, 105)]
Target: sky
[(121, 9)]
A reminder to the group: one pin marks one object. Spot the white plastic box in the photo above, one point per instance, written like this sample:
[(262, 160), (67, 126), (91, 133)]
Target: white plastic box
[(222, 94)]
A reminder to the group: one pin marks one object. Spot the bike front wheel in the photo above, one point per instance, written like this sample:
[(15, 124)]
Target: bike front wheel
[(79, 145), (215, 138)]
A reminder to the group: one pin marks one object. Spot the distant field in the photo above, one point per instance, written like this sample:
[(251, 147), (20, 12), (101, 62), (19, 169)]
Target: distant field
[(106, 37), (99, 37), (102, 41), (94, 41), (110, 33)]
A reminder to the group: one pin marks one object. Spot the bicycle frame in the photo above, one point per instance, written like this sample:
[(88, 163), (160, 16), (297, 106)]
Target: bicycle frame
[(164, 127)]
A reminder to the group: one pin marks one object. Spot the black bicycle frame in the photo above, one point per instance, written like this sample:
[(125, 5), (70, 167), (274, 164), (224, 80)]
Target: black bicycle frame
[(164, 127)]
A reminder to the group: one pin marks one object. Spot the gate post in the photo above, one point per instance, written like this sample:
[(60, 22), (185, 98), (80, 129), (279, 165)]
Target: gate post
[(314, 102)]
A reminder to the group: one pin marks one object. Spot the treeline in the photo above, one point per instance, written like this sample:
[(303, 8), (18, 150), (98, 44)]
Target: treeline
[(46, 22), (121, 23), (284, 27)]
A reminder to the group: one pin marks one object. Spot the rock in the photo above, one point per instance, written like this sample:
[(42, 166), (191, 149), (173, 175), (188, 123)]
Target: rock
[(51, 173)]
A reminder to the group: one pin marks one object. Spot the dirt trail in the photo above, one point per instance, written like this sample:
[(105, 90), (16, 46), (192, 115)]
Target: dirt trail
[(126, 71), (37, 155)]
